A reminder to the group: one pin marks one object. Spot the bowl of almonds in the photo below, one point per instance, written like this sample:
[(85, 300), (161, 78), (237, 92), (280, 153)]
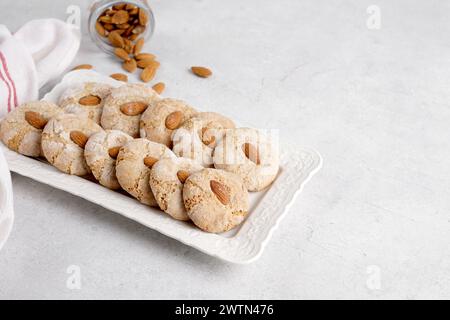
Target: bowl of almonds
[(124, 25)]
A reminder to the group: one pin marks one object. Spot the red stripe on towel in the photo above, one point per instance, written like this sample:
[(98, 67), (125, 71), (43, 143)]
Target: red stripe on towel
[(5, 67), (9, 89)]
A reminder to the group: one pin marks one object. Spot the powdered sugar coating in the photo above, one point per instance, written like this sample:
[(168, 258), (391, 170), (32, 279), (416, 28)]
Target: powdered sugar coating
[(167, 187), (229, 155), (18, 135), (69, 100), (153, 120), (132, 174), (97, 156), (113, 118), (205, 209), (205, 126), (60, 150)]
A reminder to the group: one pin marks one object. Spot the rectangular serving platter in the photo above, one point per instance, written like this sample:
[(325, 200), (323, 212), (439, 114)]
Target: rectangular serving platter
[(242, 245)]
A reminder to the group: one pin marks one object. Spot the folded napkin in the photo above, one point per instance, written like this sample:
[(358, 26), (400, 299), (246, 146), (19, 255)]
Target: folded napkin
[(36, 54)]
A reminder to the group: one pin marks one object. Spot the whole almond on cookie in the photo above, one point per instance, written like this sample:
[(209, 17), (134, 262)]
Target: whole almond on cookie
[(79, 138), (150, 161), (182, 175), (251, 152), (133, 108), (113, 152), (173, 120), (35, 119), (220, 191), (90, 100)]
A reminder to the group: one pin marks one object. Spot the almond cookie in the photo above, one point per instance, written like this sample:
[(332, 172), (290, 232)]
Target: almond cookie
[(86, 99), (158, 122), (249, 154), (198, 136), (134, 164), (21, 129), (167, 180), (101, 152), (63, 141), (215, 200), (124, 106)]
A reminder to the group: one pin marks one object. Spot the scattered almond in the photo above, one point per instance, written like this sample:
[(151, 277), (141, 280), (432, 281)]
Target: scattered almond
[(35, 119), (173, 120), (119, 77), (183, 175), (201, 72), (90, 100), (83, 67), (147, 63), (220, 191), (122, 54), (113, 152), (159, 87), (130, 66), (145, 56), (120, 17), (79, 138), (150, 161), (133, 108), (138, 46), (251, 152), (148, 73)]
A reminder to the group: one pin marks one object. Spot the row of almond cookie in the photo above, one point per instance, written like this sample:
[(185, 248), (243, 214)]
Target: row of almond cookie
[(147, 170), (140, 112)]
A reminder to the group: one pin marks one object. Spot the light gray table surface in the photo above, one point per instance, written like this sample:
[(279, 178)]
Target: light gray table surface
[(374, 223)]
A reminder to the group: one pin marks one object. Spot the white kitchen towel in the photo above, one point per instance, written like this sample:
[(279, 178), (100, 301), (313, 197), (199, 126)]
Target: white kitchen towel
[(37, 53), (6, 201)]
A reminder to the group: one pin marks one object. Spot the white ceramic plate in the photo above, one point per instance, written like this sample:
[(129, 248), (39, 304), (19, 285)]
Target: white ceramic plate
[(242, 245)]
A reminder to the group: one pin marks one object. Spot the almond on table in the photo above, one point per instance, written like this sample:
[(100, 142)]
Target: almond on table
[(122, 54), (159, 87), (130, 65), (148, 73), (201, 72), (119, 77), (83, 67)]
